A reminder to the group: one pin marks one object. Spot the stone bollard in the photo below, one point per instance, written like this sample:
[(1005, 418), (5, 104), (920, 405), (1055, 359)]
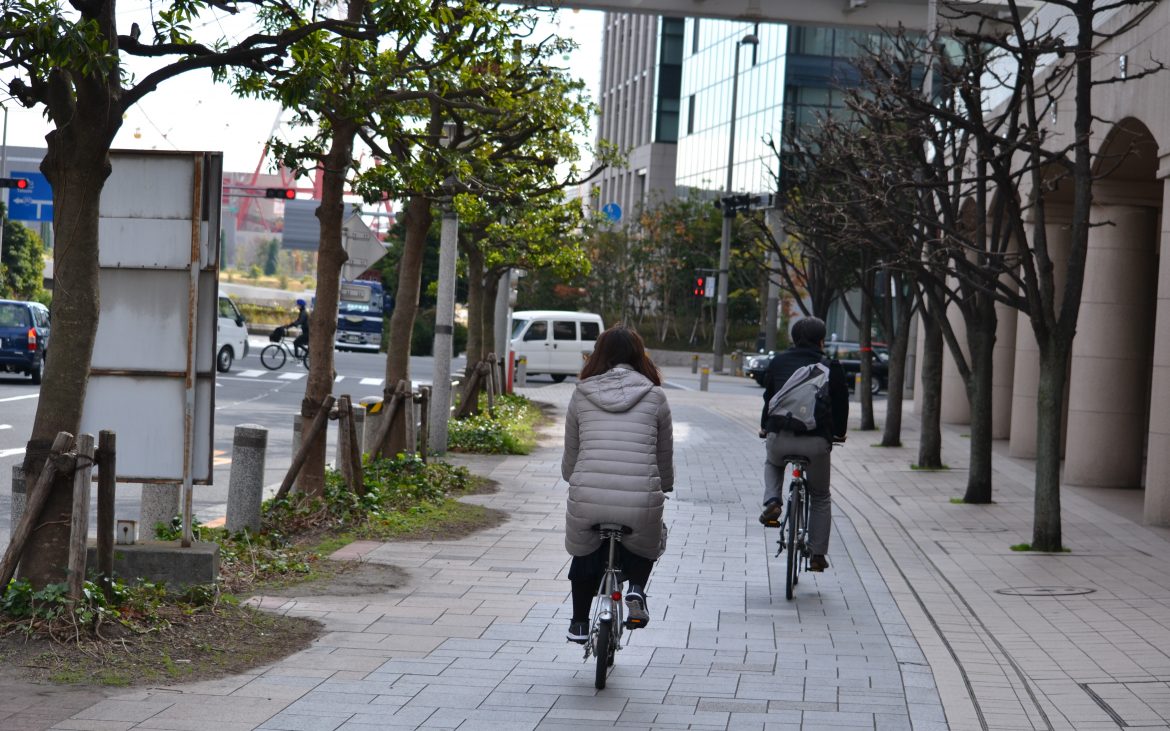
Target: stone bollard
[(857, 386), (359, 424), (246, 484), (695, 363), (522, 371), (159, 504), (373, 422), (703, 377), (19, 496)]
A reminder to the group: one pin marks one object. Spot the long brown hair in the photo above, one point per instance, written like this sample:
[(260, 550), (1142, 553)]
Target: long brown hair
[(617, 345)]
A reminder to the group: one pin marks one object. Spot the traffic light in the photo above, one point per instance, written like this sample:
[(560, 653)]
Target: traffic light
[(285, 193), (700, 288), (18, 183)]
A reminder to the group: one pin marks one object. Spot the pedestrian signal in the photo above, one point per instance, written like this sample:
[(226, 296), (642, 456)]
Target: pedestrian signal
[(700, 289), (286, 193), (18, 183)]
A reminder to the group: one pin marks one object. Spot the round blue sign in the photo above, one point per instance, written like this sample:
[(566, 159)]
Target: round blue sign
[(612, 211)]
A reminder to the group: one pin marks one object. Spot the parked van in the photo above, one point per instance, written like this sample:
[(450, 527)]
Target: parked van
[(554, 341), (231, 334)]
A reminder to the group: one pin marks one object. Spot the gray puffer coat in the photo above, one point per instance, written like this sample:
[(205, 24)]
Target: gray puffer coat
[(619, 459)]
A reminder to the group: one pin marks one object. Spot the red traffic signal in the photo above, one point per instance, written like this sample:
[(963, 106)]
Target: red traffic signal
[(286, 193), (18, 183), (700, 289)]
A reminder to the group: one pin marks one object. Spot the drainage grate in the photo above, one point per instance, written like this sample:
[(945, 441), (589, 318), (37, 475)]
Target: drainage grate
[(1045, 591)]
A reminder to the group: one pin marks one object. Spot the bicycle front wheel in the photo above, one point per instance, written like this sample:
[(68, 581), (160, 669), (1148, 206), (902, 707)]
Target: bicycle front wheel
[(603, 652), (273, 357), (794, 528)]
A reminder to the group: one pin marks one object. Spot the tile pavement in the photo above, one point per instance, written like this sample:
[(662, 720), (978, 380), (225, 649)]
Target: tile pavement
[(926, 620)]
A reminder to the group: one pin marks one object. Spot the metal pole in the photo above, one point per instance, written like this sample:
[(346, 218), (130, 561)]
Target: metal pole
[(3, 174), (728, 219), (773, 301), (503, 319), (444, 329)]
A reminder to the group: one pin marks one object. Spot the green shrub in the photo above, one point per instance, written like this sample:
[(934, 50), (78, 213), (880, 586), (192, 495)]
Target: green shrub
[(510, 432)]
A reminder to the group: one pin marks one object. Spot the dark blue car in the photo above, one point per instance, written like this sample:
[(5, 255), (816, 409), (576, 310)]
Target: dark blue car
[(24, 337)]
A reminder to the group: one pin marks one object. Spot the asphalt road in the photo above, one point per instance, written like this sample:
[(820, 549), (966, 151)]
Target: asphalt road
[(251, 394)]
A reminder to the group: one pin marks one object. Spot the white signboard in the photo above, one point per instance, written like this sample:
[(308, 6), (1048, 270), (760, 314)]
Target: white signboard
[(152, 379)]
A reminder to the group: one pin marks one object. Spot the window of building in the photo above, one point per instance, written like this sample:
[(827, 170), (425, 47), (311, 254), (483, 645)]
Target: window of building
[(695, 36), (691, 114)]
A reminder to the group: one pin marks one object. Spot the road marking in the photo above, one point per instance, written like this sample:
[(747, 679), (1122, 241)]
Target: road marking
[(19, 398), (10, 452), (339, 379), (372, 381), (291, 376), (251, 374), (5, 426)]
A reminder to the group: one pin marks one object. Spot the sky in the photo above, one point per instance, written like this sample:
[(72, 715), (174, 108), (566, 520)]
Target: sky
[(192, 113)]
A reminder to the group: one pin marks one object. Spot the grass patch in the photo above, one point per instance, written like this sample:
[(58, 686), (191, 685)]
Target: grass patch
[(920, 468), (511, 431), (956, 501), (1028, 547)]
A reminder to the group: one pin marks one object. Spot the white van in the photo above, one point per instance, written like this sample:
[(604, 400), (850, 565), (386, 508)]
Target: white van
[(231, 334), (555, 342)]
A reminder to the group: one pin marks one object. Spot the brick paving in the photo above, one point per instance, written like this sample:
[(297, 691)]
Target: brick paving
[(926, 619)]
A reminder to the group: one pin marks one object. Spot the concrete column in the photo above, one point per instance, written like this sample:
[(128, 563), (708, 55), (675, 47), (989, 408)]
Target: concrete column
[(1109, 381), (19, 497), (1157, 499), (1003, 363), (955, 407), (1026, 372), (246, 483), (373, 422), (159, 504)]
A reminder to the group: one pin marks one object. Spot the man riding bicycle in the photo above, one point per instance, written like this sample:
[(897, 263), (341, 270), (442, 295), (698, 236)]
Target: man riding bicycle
[(301, 344), (808, 338)]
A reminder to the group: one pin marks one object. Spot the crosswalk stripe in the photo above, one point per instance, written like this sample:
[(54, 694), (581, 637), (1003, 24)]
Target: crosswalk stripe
[(372, 381), (250, 374), (291, 376), (339, 379), (11, 452)]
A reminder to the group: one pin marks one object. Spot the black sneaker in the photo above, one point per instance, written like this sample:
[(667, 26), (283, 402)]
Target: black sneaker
[(637, 615), (818, 563), (771, 515), (578, 632)]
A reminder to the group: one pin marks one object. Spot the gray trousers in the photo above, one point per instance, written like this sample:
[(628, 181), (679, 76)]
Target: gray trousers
[(816, 449)]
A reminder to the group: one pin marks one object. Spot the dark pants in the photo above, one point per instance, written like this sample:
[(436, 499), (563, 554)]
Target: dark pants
[(585, 574), (301, 343)]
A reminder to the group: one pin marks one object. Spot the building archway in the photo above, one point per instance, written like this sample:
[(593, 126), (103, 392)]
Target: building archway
[(1112, 360)]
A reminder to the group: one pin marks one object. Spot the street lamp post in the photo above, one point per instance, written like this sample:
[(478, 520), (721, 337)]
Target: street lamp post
[(728, 215)]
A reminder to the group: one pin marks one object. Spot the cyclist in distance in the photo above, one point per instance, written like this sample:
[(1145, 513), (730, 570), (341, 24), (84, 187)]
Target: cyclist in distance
[(301, 343), (808, 343), (619, 462)]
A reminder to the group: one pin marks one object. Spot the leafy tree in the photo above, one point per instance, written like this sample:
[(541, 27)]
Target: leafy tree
[(70, 60), (22, 265)]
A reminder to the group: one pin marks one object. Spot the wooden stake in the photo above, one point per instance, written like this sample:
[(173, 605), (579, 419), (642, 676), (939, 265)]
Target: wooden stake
[(35, 500), (424, 405), (320, 419), (107, 485), (79, 523)]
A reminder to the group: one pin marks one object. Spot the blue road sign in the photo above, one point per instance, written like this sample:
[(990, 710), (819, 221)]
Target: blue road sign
[(34, 203), (612, 211)]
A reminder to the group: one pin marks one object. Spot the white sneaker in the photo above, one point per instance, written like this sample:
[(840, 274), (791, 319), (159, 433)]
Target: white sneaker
[(637, 613)]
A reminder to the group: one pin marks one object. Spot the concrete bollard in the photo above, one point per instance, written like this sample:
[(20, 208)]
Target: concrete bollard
[(19, 496), (359, 424), (373, 422), (522, 371), (704, 376), (246, 484), (159, 504), (857, 386), (695, 363)]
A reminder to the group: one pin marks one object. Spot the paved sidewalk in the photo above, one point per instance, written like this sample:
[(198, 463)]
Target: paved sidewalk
[(926, 620)]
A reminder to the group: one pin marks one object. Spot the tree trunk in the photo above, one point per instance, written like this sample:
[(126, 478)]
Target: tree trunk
[(930, 400), (330, 258), (491, 290), (865, 345), (417, 217), (477, 305), (1046, 534), (981, 341), (77, 161), (895, 388)]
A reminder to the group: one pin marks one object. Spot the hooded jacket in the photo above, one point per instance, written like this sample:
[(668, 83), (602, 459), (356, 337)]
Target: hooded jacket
[(619, 459)]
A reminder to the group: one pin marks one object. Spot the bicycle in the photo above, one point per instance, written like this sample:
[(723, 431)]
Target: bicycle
[(274, 356), (606, 624), (794, 526)]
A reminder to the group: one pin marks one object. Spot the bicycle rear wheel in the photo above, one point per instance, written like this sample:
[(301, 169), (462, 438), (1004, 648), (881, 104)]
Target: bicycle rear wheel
[(794, 528), (603, 651), (273, 357)]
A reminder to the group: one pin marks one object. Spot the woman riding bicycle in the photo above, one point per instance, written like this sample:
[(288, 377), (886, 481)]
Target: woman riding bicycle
[(618, 461), (808, 344)]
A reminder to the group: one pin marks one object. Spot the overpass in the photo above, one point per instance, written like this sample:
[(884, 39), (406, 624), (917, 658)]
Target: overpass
[(912, 14)]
